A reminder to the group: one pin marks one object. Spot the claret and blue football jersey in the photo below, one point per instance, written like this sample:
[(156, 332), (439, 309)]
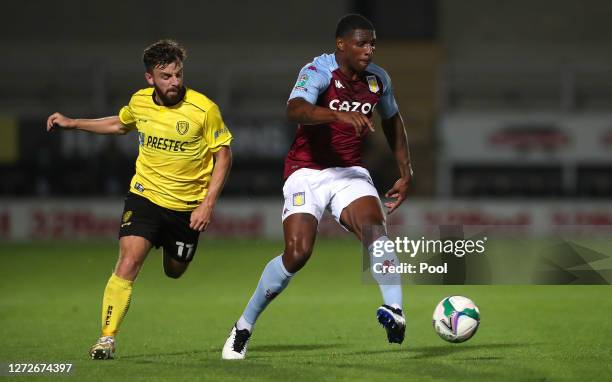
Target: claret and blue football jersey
[(335, 144)]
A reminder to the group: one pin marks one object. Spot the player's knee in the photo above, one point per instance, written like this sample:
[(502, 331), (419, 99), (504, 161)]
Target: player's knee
[(296, 255), (172, 268), (131, 262), (128, 267)]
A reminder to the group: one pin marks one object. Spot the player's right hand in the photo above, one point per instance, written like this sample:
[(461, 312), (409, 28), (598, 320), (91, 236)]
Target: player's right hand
[(359, 121), (56, 120)]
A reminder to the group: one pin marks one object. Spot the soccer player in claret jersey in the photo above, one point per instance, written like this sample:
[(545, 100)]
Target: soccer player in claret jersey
[(332, 102), (183, 161)]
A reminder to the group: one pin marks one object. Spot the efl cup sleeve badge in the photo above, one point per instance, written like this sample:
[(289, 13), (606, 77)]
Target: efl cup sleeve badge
[(373, 84), (182, 127), (299, 198), (301, 83)]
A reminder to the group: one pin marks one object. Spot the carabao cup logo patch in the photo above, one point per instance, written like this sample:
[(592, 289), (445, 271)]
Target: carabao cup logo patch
[(299, 198), (182, 127)]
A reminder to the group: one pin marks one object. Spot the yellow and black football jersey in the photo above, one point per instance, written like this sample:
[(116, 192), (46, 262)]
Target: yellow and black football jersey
[(176, 146)]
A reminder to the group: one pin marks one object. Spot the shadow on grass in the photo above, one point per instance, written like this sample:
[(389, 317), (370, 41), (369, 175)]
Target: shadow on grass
[(292, 347), (170, 354), (453, 349), (290, 351), (254, 350), (280, 351)]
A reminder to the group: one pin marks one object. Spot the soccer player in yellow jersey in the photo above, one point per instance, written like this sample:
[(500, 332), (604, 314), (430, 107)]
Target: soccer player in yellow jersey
[(183, 161)]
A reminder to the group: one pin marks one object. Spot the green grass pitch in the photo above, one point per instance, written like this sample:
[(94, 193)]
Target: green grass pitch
[(322, 328)]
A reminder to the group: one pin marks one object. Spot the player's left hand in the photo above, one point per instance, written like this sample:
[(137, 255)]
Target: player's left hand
[(397, 192), (201, 217)]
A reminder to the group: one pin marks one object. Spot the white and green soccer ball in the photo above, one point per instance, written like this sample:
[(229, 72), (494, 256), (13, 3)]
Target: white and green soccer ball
[(456, 319)]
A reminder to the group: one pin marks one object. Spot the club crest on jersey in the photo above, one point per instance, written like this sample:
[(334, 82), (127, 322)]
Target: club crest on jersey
[(299, 198), (372, 84), (182, 127)]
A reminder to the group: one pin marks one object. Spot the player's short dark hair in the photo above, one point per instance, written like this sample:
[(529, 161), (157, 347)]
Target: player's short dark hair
[(163, 53), (352, 21)]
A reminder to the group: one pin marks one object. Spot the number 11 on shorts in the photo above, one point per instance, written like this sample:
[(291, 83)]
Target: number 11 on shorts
[(181, 246)]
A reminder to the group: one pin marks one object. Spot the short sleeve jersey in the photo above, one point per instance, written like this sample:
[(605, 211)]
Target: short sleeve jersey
[(335, 144), (176, 146)]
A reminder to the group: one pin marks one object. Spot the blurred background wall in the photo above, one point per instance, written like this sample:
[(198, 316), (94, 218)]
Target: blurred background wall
[(506, 104)]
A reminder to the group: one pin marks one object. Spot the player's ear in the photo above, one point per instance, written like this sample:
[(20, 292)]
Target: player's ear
[(149, 78), (340, 44)]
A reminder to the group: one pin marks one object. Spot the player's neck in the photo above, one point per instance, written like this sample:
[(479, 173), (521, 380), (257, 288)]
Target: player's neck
[(345, 68)]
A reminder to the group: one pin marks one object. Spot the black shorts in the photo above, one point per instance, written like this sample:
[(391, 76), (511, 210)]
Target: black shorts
[(161, 226)]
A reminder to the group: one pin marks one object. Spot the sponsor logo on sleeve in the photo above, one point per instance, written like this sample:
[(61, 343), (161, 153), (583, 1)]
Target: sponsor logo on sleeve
[(220, 132), (301, 83)]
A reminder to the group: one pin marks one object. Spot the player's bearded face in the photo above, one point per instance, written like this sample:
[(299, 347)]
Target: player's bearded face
[(167, 81), (359, 47)]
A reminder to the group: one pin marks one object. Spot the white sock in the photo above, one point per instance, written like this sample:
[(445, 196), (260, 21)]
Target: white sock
[(244, 324)]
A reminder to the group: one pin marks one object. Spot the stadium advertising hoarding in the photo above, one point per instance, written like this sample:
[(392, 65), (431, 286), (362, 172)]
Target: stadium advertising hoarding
[(99, 219), (536, 137), (520, 243)]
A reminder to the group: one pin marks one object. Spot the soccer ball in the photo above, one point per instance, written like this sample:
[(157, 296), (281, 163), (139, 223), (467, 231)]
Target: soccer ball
[(456, 319)]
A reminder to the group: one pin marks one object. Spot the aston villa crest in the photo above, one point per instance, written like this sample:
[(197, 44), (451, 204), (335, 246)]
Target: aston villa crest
[(372, 84)]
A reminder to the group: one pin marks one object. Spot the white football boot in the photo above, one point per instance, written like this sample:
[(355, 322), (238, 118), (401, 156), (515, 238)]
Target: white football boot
[(236, 344)]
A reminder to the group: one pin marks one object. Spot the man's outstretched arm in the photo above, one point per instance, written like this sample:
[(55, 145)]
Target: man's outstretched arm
[(107, 125)]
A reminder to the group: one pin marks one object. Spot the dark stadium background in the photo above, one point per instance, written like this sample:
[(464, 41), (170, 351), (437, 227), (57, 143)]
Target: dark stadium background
[(495, 64)]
